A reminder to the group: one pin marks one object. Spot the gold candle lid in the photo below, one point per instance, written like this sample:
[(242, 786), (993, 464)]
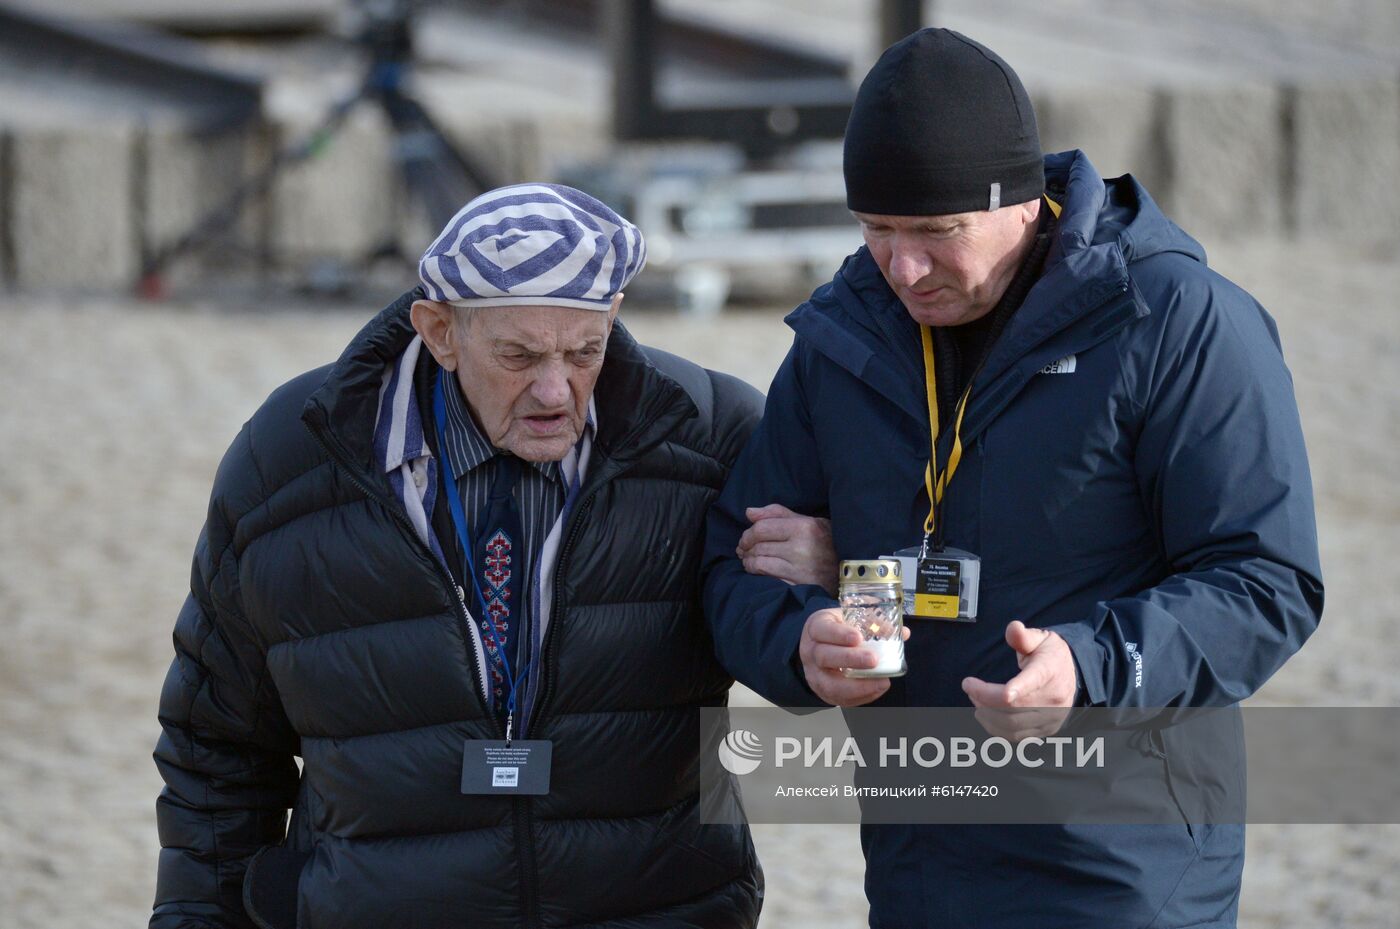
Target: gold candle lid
[(876, 571)]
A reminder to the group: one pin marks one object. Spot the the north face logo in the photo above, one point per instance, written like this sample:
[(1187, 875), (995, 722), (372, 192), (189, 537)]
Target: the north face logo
[(1065, 365)]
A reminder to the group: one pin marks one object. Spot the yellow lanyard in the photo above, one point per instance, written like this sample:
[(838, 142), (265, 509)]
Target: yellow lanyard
[(936, 487)]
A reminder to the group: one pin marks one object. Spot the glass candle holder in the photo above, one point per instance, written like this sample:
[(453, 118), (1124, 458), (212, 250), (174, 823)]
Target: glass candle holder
[(872, 603)]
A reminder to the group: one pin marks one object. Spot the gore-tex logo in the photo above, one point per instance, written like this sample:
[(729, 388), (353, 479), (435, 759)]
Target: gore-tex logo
[(1136, 657)]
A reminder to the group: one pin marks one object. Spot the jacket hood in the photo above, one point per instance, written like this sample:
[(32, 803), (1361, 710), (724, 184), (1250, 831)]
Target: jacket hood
[(1118, 210)]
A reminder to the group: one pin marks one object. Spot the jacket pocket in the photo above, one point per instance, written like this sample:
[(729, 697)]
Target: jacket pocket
[(270, 886), (1157, 747)]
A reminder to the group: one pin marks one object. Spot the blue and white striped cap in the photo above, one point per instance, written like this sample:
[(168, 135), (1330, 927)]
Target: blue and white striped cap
[(533, 244)]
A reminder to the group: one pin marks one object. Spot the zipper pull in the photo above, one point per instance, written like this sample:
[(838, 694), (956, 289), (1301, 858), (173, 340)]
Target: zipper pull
[(510, 727), (461, 595)]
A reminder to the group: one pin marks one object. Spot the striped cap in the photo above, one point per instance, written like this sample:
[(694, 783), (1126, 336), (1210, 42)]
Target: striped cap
[(533, 244)]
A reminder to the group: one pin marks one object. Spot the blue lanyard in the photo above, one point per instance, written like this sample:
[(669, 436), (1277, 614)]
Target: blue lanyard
[(459, 520)]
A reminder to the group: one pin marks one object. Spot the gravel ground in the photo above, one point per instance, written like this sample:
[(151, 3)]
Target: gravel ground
[(115, 416)]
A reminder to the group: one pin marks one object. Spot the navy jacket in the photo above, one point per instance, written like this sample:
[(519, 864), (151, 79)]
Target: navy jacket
[(1155, 499)]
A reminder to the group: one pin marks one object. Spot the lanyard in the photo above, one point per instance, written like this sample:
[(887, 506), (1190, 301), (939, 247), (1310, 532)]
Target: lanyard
[(459, 520), (936, 482)]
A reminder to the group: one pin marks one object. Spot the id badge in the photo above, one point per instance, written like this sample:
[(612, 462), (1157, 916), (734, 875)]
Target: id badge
[(941, 585), (492, 767)]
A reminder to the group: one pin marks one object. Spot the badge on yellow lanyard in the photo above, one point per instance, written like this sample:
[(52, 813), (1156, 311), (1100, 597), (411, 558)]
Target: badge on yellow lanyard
[(944, 580)]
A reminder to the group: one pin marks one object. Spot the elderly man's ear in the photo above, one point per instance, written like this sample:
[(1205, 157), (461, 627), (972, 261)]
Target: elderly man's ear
[(612, 310), (435, 321)]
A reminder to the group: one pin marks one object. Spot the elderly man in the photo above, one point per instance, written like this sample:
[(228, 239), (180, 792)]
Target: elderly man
[(1032, 366), (455, 572)]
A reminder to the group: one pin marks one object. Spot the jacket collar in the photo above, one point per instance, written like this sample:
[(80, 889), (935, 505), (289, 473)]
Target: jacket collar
[(343, 410), (638, 406)]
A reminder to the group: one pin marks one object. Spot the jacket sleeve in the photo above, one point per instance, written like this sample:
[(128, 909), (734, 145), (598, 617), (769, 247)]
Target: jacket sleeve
[(226, 748), (757, 621), (1223, 475)]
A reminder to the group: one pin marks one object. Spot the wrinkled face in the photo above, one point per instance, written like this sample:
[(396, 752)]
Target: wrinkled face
[(527, 373), (949, 270)]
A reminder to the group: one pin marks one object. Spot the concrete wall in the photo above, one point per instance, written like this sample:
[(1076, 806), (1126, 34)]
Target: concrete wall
[(1226, 154), (1118, 128), (184, 176), (6, 190), (1346, 159), (80, 207), (341, 202), (1247, 159), (72, 219)]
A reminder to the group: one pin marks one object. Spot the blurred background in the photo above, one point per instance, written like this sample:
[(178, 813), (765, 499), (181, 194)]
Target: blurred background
[(199, 201)]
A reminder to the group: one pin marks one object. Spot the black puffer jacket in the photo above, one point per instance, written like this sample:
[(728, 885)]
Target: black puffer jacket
[(320, 625)]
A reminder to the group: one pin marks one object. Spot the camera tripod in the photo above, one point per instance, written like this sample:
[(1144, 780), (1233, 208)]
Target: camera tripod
[(438, 175)]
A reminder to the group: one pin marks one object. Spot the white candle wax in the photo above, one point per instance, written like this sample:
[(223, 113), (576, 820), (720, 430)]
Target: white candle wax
[(889, 655)]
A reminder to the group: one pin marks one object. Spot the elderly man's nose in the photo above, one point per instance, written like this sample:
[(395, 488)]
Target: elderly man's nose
[(551, 387)]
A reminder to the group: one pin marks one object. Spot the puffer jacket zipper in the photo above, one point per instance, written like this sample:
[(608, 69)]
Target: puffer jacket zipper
[(528, 859)]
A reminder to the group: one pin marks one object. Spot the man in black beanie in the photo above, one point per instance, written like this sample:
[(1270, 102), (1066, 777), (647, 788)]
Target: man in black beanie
[(1031, 366)]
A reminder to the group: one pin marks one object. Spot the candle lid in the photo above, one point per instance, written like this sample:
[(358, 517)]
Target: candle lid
[(875, 571)]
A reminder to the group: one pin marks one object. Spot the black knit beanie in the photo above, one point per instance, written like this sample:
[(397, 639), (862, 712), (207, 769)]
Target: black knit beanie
[(941, 125)]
